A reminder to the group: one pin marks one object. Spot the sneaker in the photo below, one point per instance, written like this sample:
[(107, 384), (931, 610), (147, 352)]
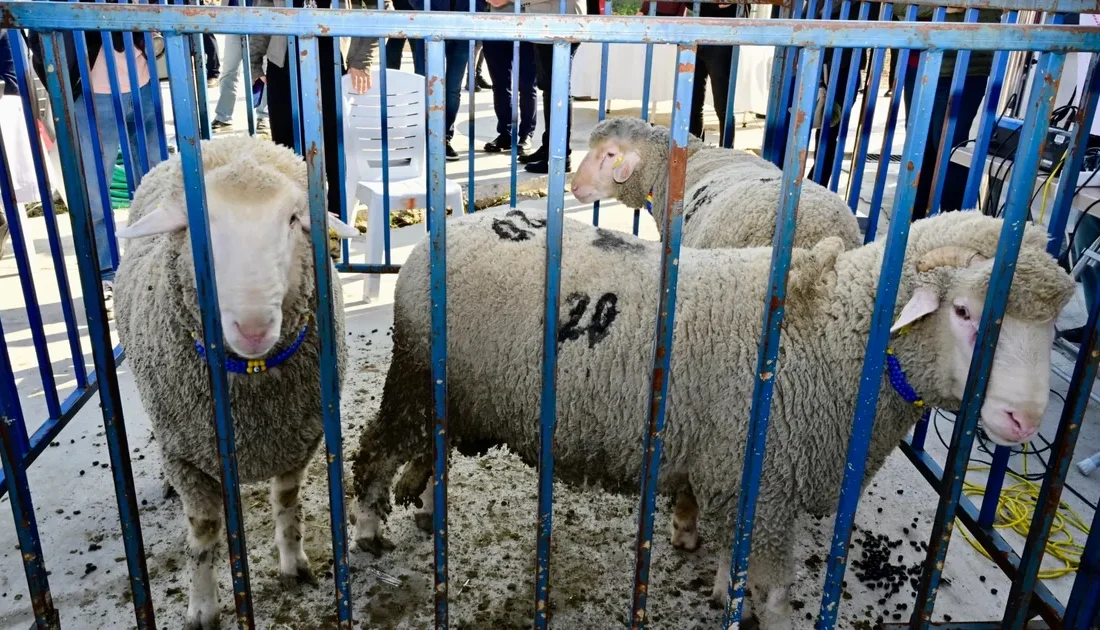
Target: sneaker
[(543, 167), (221, 125), (452, 155), (109, 297), (262, 127), (482, 84), (540, 155), (212, 82)]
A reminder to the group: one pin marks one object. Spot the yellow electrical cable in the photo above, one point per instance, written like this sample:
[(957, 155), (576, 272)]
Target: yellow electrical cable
[(1046, 186), (1015, 509)]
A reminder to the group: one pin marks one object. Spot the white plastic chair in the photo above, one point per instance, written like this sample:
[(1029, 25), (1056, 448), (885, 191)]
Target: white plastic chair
[(405, 121)]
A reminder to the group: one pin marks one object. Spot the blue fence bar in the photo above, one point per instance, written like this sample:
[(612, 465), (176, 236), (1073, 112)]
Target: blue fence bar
[(1075, 158), (437, 234), (154, 78), (825, 136), (142, 152), (849, 101), (1032, 136), (731, 93), (45, 192), (867, 117), (187, 134), (663, 333), (1083, 608), (120, 114), (1017, 612), (950, 121), (336, 67), (548, 411), (61, 100), (989, 120), (794, 170), (605, 53), (30, 295), (900, 71), (870, 383), (310, 66), (19, 495)]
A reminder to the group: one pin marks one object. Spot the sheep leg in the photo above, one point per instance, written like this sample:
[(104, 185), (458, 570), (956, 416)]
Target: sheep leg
[(685, 521), (373, 471), (771, 570), (202, 504), (293, 564), (417, 486)]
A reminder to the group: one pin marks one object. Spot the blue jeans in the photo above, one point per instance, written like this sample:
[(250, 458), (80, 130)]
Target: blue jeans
[(457, 55), (108, 147), (498, 58), (230, 81), (973, 91)]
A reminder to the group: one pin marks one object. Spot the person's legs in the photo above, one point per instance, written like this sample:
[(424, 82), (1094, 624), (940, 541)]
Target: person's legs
[(395, 49), (99, 199), (718, 63), (498, 60), (420, 61), (458, 54), (213, 65), (528, 95), (149, 122), (328, 112), (227, 99), (279, 112), (698, 95), (828, 149), (1087, 231), (972, 97), (544, 55)]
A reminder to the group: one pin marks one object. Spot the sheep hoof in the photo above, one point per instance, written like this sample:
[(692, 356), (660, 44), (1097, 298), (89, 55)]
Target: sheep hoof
[(168, 491), (198, 622), (690, 546), (375, 546), (294, 580), (423, 521)]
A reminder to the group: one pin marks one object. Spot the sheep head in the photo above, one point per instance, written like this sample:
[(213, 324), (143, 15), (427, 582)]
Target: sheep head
[(259, 225), (950, 279), (616, 147)]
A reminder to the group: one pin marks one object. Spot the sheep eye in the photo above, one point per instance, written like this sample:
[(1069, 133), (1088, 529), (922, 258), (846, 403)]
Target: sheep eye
[(293, 220), (962, 313)]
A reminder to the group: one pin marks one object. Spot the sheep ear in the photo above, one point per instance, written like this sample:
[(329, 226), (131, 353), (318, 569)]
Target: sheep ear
[(343, 230), (625, 167), (159, 221), (924, 302)]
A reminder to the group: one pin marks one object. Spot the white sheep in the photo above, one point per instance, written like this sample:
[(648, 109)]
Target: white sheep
[(259, 233), (609, 284), (730, 197)]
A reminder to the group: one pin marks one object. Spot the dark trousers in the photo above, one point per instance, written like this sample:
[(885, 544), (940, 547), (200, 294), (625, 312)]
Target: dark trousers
[(825, 148), (395, 46), (213, 62), (711, 62), (972, 93), (498, 57), (544, 78), (456, 54), (281, 118)]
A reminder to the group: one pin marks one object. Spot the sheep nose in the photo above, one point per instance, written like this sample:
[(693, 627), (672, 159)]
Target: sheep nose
[(1024, 424), (254, 331)]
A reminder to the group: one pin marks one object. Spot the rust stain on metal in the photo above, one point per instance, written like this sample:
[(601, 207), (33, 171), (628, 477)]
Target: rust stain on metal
[(909, 166), (775, 304), (686, 67)]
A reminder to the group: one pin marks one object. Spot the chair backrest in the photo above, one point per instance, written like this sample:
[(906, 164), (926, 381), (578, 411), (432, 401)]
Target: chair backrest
[(405, 122)]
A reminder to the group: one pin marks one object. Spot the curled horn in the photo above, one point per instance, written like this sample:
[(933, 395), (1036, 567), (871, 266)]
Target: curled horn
[(951, 256)]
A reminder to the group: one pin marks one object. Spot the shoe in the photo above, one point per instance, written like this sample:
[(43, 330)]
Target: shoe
[(262, 127), (543, 167), (482, 84), (452, 155), (212, 82), (503, 144), (109, 297), (221, 125), (540, 155)]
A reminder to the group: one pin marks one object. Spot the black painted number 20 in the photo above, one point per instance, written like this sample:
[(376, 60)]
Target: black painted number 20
[(599, 324)]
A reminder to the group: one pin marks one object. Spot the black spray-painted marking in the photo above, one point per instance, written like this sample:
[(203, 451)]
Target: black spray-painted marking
[(507, 230), (599, 325), (699, 198), (536, 224), (609, 241)]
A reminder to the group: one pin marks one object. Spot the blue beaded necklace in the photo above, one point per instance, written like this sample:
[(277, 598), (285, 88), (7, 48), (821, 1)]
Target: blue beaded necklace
[(897, 377), (649, 202), (256, 366)]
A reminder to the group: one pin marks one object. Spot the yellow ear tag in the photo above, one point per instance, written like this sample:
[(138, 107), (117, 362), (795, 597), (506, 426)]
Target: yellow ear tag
[(618, 162)]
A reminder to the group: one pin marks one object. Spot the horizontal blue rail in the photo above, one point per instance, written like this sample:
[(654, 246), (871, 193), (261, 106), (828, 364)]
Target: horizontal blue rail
[(539, 28)]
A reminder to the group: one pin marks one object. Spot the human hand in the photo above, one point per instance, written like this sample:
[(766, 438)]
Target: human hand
[(498, 3), (360, 80)]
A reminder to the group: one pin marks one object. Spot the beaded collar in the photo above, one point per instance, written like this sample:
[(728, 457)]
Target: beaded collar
[(897, 377), (649, 202), (256, 366)]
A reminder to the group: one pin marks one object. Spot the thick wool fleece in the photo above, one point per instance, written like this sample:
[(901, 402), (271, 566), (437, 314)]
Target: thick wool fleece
[(276, 414), (731, 196), (609, 286)]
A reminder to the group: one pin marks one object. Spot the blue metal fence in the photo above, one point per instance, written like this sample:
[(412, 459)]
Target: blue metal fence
[(803, 42)]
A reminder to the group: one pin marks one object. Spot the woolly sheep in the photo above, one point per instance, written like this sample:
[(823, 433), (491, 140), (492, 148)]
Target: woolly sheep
[(259, 224), (730, 199), (609, 288)]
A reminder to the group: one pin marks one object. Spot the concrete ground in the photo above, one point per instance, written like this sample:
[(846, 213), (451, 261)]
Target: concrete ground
[(492, 498)]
